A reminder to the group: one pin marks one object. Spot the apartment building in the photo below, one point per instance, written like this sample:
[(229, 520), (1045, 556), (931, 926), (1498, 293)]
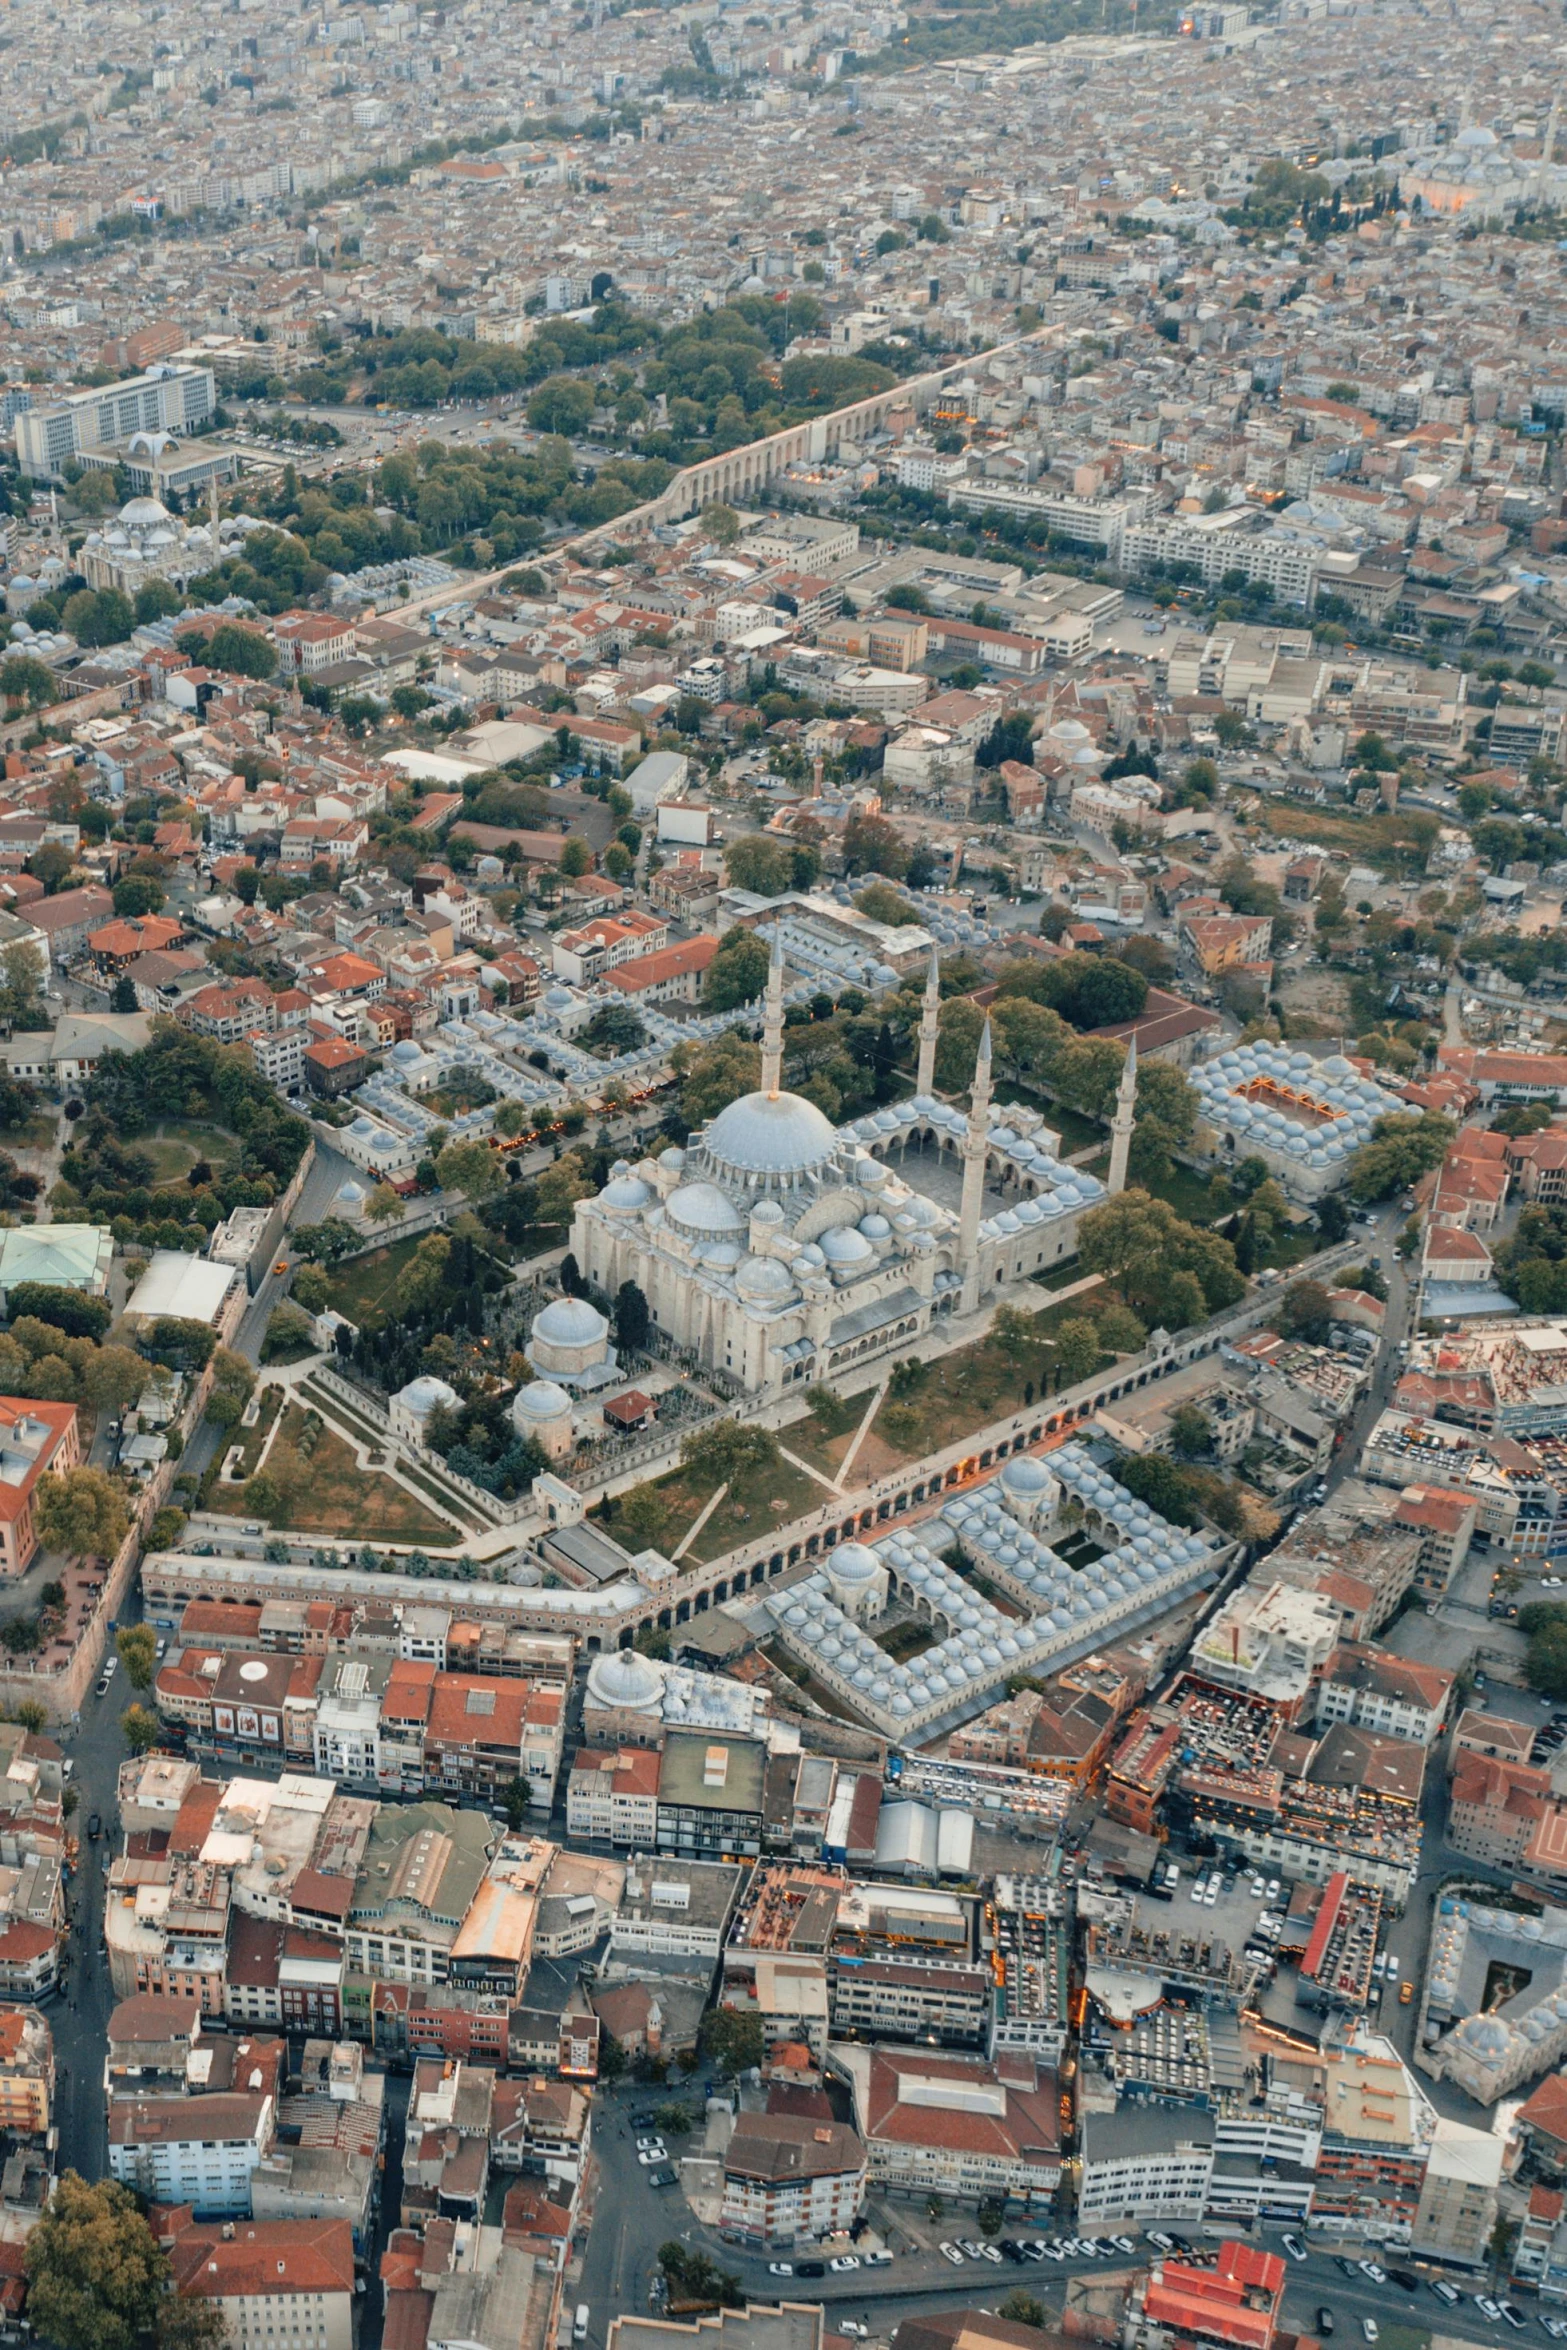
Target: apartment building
[(612, 1799), (26, 2071), (1145, 2164), (710, 1796), (1376, 2141), (36, 1440), (166, 399), (196, 2150), (921, 2002), (791, 2179), (1384, 1693), (274, 2282), (671, 1908), (953, 2125)]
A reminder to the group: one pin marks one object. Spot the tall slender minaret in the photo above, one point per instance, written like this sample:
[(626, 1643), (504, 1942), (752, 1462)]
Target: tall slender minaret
[(772, 1022), (1121, 1123), (974, 1165), (212, 505), (930, 1028)]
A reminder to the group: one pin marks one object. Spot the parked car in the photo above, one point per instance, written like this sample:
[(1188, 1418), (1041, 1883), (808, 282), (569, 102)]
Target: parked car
[(1374, 2270), (951, 2252), (661, 2178), (1514, 2317), (652, 2154), (94, 1827), (1324, 2322), (1294, 2247), (876, 2260), (1487, 2308), (1368, 2326), (810, 2268), (1446, 2292), (842, 2266), (780, 2268)]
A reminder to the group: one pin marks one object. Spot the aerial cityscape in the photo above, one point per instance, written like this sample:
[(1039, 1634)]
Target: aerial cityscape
[(783, 1175)]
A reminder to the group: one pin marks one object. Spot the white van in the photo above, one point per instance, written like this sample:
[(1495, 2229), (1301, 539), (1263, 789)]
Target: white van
[(579, 2326)]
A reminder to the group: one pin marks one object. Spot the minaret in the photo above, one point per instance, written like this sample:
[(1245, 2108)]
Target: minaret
[(212, 505), (772, 1021), (1548, 150), (1121, 1123), (974, 1168), (816, 777), (930, 1028)]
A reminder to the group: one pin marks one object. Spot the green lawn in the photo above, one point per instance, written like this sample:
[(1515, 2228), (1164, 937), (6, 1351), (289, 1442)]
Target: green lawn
[(365, 1289), (962, 1392), (663, 1509), (1187, 1193), (250, 1441), (176, 1145), (324, 1491)]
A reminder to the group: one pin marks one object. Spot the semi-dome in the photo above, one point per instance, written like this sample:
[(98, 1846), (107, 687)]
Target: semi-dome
[(843, 1246), (764, 1281), (702, 1207), (770, 1134), (571, 1321), (624, 1682)]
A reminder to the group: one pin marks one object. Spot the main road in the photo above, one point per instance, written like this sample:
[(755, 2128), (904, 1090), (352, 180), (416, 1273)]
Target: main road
[(633, 2219)]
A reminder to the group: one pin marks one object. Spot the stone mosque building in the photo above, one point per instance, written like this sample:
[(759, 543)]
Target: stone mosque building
[(781, 1249)]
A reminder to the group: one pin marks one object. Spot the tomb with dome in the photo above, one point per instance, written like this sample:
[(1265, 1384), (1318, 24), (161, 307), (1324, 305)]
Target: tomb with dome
[(779, 1249)]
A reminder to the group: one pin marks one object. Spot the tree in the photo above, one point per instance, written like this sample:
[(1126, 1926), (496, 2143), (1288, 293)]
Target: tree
[(1150, 1252), (715, 1075), (470, 1167), (112, 1378), (731, 2042), (1022, 2308), (991, 2214), (186, 2321), (96, 2278), (424, 1276), (123, 997), (721, 522), (52, 865), (246, 882), (24, 679), (516, 1800), (70, 1310), (326, 1242), (101, 616), (1091, 991), (1402, 1148), (312, 1289), (737, 974), (561, 404), (241, 651), (872, 845), (881, 904), (137, 1645), (723, 1450), (1076, 1350), (631, 1317), (1305, 1311), (157, 599), (560, 1187), (82, 1514), (137, 895), (141, 1728), (1191, 1432), (961, 1025), (756, 863), (21, 989), (576, 858), (386, 1206)]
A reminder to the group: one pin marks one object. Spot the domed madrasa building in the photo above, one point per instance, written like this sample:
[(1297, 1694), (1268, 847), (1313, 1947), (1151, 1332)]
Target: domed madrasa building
[(781, 1249)]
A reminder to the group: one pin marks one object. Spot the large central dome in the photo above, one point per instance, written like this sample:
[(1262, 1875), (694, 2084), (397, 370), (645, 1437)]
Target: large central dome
[(770, 1134)]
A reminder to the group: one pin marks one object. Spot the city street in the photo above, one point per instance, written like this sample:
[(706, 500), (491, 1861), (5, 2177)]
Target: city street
[(79, 2016), (633, 2219)]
